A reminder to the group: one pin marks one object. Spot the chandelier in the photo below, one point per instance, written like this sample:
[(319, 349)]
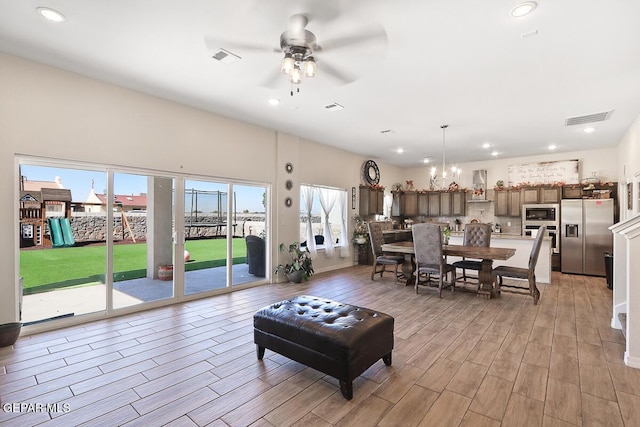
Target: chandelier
[(455, 171), (298, 61)]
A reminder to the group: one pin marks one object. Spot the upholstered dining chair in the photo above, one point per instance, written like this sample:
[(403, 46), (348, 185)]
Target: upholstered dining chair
[(427, 245), (528, 273), (476, 235), (379, 258)]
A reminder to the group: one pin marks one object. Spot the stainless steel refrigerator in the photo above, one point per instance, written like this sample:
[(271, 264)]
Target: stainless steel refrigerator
[(585, 235)]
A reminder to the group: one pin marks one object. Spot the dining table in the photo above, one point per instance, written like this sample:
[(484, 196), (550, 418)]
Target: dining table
[(486, 254)]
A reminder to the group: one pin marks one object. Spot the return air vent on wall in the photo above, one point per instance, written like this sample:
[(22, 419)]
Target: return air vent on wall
[(589, 118)]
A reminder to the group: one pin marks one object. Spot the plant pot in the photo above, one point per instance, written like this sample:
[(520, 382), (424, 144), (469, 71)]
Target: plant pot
[(165, 272), (9, 333), (295, 277)]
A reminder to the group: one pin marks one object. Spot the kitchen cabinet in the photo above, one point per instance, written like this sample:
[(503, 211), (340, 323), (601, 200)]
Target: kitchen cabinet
[(571, 192), (547, 194), (434, 203), (529, 195), (397, 199), (445, 204), (507, 203), (371, 201), (458, 203), (410, 205), (404, 203), (550, 194), (423, 204)]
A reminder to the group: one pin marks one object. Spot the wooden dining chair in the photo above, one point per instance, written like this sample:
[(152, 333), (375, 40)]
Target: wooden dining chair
[(427, 245), (528, 273), (379, 258), (476, 235)]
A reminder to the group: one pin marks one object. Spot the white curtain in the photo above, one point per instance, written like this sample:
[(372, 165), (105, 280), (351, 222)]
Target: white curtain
[(345, 244), (327, 201), (307, 192)]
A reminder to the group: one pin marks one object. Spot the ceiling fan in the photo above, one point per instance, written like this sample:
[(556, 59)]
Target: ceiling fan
[(305, 57)]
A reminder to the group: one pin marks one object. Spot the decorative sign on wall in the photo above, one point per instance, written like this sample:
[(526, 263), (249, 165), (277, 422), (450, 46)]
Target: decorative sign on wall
[(563, 171)]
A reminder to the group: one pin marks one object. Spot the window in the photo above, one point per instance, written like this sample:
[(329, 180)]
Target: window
[(323, 213)]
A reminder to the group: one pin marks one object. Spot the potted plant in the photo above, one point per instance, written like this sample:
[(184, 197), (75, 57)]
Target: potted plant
[(360, 231), (446, 234), (300, 266)]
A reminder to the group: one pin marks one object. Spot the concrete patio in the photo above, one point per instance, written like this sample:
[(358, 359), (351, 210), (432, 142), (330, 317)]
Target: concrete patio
[(90, 299)]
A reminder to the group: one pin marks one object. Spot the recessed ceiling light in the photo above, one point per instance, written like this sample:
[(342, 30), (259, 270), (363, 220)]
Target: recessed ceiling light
[(552, 147), (494, 153), (486, 145), (589, 130), (274, 101), (400, 150), (425, 160), (50, 14), (523, 9)]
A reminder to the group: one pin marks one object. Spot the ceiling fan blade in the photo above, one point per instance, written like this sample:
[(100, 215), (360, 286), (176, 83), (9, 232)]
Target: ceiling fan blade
[(374, 34), (343, 77), (274, 80)]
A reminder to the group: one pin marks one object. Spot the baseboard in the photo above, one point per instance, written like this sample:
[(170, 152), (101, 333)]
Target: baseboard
[(632, 362)]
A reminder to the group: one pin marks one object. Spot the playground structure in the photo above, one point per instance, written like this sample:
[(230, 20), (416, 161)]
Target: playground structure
[(33, 218), (208, 209)]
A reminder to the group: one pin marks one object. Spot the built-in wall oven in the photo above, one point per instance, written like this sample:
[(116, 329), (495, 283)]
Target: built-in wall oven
[(533, 216)]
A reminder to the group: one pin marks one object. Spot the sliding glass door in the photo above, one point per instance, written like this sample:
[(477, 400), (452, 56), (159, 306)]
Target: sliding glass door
[(142, 239), (101, 240)]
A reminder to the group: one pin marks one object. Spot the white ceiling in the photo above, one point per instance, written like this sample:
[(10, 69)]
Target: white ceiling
[(463, 63)]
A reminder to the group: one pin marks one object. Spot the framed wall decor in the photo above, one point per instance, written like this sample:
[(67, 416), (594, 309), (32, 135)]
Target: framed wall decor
[(353, 197)]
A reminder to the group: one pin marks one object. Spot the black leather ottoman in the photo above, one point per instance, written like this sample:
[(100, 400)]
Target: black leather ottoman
[(340, 340)]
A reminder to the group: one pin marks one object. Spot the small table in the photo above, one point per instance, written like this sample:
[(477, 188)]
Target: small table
[(487, 255)]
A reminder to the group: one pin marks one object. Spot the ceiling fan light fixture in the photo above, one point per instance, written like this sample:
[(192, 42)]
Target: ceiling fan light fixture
[(296, 75), (310, 67), (287, 63)]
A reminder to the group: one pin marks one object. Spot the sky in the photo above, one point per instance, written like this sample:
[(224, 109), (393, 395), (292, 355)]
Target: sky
[(80, 182)]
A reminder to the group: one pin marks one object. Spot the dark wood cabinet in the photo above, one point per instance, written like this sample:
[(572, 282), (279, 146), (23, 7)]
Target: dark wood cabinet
[(507, 203), (529, 195), (434, 203), (371, 201), (423, 204), (410, 203), (550, 194), (458, 203)]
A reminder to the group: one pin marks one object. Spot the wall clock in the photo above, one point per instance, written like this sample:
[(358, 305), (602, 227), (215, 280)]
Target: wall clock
[(371, 172)]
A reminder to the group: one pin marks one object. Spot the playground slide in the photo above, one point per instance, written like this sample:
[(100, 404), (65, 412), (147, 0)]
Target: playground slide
[(55, 232), (67, 234)]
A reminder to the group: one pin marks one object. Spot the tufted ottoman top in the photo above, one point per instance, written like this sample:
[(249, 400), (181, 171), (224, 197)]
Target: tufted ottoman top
[(337, 330)]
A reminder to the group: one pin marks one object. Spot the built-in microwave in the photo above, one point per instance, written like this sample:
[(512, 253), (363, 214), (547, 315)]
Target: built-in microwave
[(540, 213), (533, 216)]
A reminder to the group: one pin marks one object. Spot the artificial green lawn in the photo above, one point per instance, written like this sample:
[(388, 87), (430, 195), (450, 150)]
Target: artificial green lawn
[(46, 269)]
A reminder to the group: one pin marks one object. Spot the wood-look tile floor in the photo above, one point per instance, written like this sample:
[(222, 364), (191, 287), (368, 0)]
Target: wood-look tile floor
[(457, 361)]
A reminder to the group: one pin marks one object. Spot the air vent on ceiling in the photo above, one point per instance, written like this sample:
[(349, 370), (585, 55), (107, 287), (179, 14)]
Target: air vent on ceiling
[(589, 118), (334, 107), (225, 56)]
